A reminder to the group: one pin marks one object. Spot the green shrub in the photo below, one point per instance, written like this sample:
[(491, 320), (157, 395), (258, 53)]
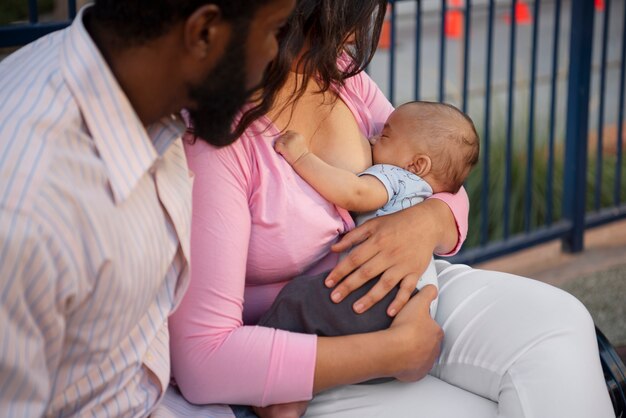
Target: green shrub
[(539, 190)]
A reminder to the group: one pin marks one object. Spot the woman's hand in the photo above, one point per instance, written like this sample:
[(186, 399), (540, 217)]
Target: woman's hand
[(399, 246), (283, 410), (406, 350)]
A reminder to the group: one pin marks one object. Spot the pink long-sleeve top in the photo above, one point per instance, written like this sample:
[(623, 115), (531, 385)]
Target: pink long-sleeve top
[(256, 224)]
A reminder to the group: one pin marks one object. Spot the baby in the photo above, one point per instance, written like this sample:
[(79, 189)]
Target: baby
[(424, 148)]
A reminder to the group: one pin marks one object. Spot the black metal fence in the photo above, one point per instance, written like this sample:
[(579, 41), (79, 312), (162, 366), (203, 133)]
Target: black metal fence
[(544, 83), (533, 76), (22, 32)]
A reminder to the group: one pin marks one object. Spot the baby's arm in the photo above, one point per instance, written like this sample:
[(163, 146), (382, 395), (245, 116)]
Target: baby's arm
[(341, 187)]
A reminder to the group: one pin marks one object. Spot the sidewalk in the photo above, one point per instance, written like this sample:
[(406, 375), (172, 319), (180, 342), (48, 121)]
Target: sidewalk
[(596, 276)]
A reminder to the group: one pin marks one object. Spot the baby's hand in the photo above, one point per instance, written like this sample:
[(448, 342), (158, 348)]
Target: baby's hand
[(292, 146)]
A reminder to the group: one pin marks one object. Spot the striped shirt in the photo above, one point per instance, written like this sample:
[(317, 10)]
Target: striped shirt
[(94, 235)]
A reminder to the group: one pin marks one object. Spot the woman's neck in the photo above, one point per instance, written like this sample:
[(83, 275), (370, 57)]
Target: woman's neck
[(286, 102)]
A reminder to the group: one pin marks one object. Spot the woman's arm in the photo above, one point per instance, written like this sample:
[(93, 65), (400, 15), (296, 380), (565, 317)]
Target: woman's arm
[(458, 206), (215, 358), (406, 350)]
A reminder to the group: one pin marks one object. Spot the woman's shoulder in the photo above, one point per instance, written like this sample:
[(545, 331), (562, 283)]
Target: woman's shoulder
[(237, 158), (247, 160)]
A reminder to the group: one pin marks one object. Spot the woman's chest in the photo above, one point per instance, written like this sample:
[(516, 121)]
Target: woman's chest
[(332, 131), (292, 226)]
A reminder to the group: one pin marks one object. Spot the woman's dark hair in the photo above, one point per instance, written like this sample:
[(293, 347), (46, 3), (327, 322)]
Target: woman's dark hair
[(324, 27), (133, 22)]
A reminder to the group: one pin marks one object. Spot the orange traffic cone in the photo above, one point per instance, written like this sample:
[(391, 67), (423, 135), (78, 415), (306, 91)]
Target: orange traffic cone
[(384, 41), (454, 20), (599, 4), (522, 14)]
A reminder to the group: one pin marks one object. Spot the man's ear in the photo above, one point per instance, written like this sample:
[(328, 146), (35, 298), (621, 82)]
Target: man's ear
[(420, 165), (203, 30)]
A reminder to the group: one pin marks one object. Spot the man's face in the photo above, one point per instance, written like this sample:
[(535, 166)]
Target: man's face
[(238, 73)]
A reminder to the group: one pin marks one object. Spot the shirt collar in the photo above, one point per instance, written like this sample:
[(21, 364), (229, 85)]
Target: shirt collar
[(126, 147)]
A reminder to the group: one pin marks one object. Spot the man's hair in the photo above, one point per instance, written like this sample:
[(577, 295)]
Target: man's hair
[(134, 22), (452, 137)]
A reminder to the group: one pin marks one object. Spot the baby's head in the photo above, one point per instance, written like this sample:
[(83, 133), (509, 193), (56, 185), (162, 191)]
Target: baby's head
[(435, 141)]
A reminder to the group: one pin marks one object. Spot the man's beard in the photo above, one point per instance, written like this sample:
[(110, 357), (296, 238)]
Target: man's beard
[(220, 96)]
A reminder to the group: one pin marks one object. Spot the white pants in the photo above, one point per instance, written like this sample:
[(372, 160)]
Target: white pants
[(513, 347)]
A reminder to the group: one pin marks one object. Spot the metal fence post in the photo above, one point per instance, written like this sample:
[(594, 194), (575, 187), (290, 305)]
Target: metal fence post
[(576, 134)]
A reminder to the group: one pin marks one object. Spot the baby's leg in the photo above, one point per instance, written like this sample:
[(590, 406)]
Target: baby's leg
[(304, 305)]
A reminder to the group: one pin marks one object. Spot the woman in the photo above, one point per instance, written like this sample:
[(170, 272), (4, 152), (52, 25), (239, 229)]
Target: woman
[(512, 347)]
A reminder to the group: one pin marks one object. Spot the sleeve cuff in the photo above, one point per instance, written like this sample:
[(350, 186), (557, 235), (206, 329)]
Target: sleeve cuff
[(293, 378), (459, 205)]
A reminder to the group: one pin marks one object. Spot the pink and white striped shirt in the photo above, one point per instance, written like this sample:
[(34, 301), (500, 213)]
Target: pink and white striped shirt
[(94, 236)]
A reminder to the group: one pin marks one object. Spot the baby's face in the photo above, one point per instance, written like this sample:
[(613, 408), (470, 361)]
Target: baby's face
[(393, 145)]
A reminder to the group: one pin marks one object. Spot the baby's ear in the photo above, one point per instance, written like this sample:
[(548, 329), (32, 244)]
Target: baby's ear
[(420, 165)]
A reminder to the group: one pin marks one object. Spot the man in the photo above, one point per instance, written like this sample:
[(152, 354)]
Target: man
[(95, 196)]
